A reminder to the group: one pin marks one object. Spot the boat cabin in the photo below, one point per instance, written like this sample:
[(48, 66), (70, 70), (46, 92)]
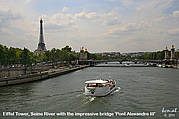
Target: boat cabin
[(99, 83), (99, 87)]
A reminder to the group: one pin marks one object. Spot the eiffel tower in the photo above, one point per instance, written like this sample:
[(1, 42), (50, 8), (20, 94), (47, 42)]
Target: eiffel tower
[(41, 46)]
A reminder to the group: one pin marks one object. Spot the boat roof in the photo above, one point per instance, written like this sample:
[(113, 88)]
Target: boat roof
[(96, 81)]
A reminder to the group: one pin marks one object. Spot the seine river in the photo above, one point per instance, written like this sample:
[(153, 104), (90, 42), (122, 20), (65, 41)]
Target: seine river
[(140, 90)]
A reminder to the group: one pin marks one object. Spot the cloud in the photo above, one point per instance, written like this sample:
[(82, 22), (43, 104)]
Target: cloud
[(122, 24), (61, 19), (65, 9), (176, 13), (7, 18), (124, 2), (123, 29), (28, 1), (116, 30), (84, 15), (173, 31)]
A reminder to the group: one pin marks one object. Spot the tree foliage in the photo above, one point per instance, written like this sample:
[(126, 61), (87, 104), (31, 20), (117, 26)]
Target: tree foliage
[(159, 55), (9, 56), (14, 56), (56, 55)]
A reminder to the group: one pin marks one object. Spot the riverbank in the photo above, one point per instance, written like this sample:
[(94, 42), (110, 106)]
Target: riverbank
[(54, 72), (123, 66)]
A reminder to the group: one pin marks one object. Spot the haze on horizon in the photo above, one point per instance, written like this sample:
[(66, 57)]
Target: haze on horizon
[(99, 25)]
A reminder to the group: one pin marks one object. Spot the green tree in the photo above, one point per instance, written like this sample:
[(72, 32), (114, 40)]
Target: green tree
[(67, 48), (4, 55), (12, 55), (25, 59), (18, 53)]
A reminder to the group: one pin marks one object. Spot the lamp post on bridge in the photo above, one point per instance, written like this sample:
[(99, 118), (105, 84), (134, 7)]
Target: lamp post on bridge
[(172, 57)]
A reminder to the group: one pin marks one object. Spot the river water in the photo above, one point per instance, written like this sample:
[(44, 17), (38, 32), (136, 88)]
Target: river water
[(140, 89)]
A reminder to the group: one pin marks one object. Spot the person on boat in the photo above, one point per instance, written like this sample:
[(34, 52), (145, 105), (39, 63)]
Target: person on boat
[(110, 85)]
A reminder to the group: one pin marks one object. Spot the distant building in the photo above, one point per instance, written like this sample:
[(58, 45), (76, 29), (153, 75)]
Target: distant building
[(41, 46), (103, 54), (134, 54), (110, 54), (83, 54)]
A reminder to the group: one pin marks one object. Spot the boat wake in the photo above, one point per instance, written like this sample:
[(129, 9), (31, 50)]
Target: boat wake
[(92, 99), (89, 99), (78, 95), (116, 90)]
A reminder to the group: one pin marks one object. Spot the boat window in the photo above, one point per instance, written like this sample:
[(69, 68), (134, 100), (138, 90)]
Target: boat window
[(96, 85), (100, 85), (91, 85)]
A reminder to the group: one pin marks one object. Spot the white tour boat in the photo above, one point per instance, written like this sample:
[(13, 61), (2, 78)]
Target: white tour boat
[(99, 87)]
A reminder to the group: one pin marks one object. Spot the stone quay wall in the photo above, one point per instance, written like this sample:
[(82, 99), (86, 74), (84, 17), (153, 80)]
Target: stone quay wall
[(40, 75)]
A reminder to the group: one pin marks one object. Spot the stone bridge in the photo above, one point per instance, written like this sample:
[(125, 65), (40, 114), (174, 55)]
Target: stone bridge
[(136, 61)]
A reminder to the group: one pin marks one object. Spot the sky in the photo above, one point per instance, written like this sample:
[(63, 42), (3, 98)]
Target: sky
[(98, 25)]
